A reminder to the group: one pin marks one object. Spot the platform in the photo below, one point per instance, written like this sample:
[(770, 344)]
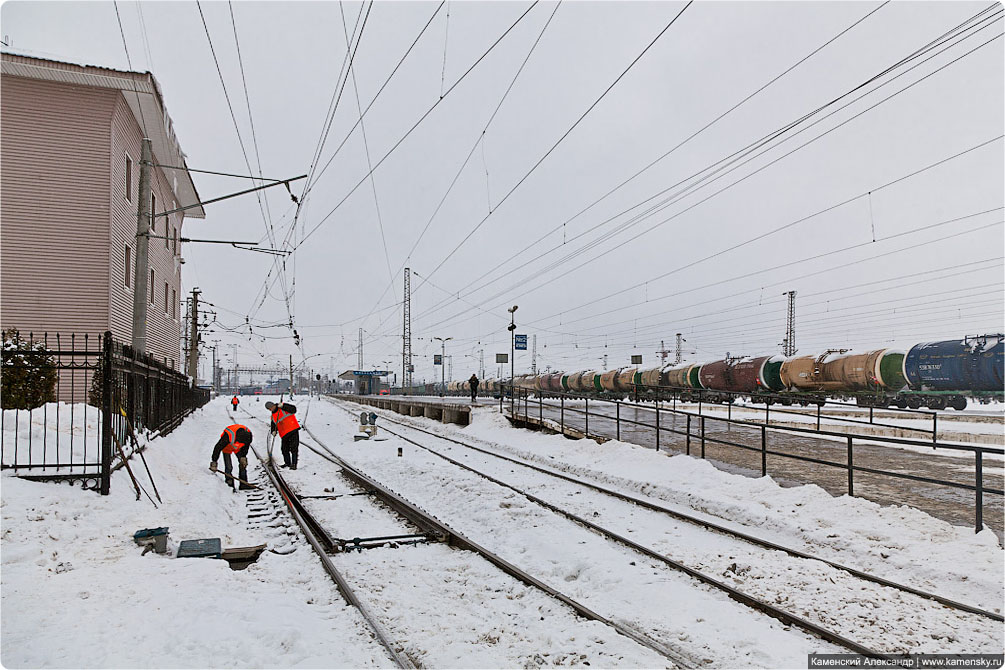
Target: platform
[(447, 410)]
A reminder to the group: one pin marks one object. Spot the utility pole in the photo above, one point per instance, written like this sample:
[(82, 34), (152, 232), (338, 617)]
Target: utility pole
[(193, 337), (291, 374), (663, 352), (789, 343), (677, 359), (605, 362), (216, 372), (142, 275), (533, 355), (481, 364), (359, 354), (406, 333), (450, 367), (512, 360), (443, 363)]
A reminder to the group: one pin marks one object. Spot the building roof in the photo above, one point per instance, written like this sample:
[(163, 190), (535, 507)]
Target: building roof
[(143, 96)]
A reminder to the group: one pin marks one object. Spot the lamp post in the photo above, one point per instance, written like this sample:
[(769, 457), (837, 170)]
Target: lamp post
[(443, 362), (512, 360)]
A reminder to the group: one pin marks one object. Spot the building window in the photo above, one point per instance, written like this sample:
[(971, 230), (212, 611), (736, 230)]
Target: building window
[(174, 304), (153, 210), (153, 284), (167, 238), (127, 278), (129, 179), (167, 308), (175, 241)]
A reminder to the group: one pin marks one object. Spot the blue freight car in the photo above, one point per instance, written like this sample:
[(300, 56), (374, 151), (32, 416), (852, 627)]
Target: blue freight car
[(971, 364)]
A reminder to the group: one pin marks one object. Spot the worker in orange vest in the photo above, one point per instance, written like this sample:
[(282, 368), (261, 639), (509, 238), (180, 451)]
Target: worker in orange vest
[(234, 401), (235, 439), (284, 422)]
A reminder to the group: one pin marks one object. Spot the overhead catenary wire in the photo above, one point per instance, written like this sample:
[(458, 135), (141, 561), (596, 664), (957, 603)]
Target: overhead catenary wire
[(561, 139), (479, 140), (570, 256), (680, 144)]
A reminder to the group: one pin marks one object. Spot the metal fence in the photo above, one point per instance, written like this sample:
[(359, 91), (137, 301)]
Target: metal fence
[(697, 436), (92, 398)]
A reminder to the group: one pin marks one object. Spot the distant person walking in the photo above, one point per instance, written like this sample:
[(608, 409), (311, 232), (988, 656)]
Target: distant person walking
[(284, 422), (235, 439), (234, 402), (473, 383)]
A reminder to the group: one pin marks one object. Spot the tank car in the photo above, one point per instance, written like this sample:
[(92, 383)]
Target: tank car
[(607, 380), (939, 373)]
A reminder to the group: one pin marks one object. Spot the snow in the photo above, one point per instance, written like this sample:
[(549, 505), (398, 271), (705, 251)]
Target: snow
[(56, 432), (71, 569), (76, 593)]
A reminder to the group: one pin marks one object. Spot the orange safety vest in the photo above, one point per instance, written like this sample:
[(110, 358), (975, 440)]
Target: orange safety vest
[(234, 400), (231, 433), (285, 422)]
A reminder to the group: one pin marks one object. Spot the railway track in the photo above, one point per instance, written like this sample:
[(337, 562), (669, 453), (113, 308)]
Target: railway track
[(924, 605), (326, 545)]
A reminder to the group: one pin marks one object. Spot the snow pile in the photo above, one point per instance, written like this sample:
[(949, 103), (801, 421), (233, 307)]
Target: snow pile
[(76, 593)]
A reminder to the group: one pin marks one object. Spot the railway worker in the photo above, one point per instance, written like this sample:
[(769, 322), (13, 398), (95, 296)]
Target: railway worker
[(235, 439), (284, 422), (234, 402), (473, 383)]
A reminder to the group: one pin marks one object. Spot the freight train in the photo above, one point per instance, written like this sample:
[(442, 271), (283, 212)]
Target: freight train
[(936, 375)]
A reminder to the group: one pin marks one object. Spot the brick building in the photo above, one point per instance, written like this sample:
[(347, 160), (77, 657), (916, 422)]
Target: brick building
[(70, 146)]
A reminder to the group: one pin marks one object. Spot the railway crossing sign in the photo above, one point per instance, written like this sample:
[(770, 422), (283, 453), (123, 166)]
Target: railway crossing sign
[(520, 342), (502, 358)]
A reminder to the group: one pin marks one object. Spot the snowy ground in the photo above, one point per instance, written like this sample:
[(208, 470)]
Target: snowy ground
[(77, 594), (69, 563)]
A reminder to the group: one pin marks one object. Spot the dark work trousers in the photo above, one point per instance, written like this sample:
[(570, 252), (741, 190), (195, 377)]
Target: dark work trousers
[(474, 392), (291, 447), (228, 467), (234, 405)]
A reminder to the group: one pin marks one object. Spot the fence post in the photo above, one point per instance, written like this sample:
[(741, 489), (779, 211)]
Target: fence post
[(764, 451), (563, 415), (540, 409), (587, 429), (818, 416), (106, 413), (979, 501), (502, 394), (617, 418), (657, 424), (688, 434), (935, 426), (851, 470), (702, 436)]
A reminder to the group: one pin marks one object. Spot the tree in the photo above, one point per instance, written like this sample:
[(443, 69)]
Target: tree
[(29, 373)]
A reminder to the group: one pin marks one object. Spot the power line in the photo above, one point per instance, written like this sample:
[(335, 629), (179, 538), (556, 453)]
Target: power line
[(748, 149), (679, 145), (414, 126), (562, 138), (570, 256)]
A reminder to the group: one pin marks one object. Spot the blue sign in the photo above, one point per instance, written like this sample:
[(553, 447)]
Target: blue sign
[(437, 359), (520, 342)]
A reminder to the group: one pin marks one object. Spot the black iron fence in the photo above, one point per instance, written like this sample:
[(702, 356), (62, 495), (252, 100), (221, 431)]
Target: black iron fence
[(74, 404), (660, 421)]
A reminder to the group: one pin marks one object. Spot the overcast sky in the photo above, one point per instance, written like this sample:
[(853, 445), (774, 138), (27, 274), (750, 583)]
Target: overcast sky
[(918, 259)]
